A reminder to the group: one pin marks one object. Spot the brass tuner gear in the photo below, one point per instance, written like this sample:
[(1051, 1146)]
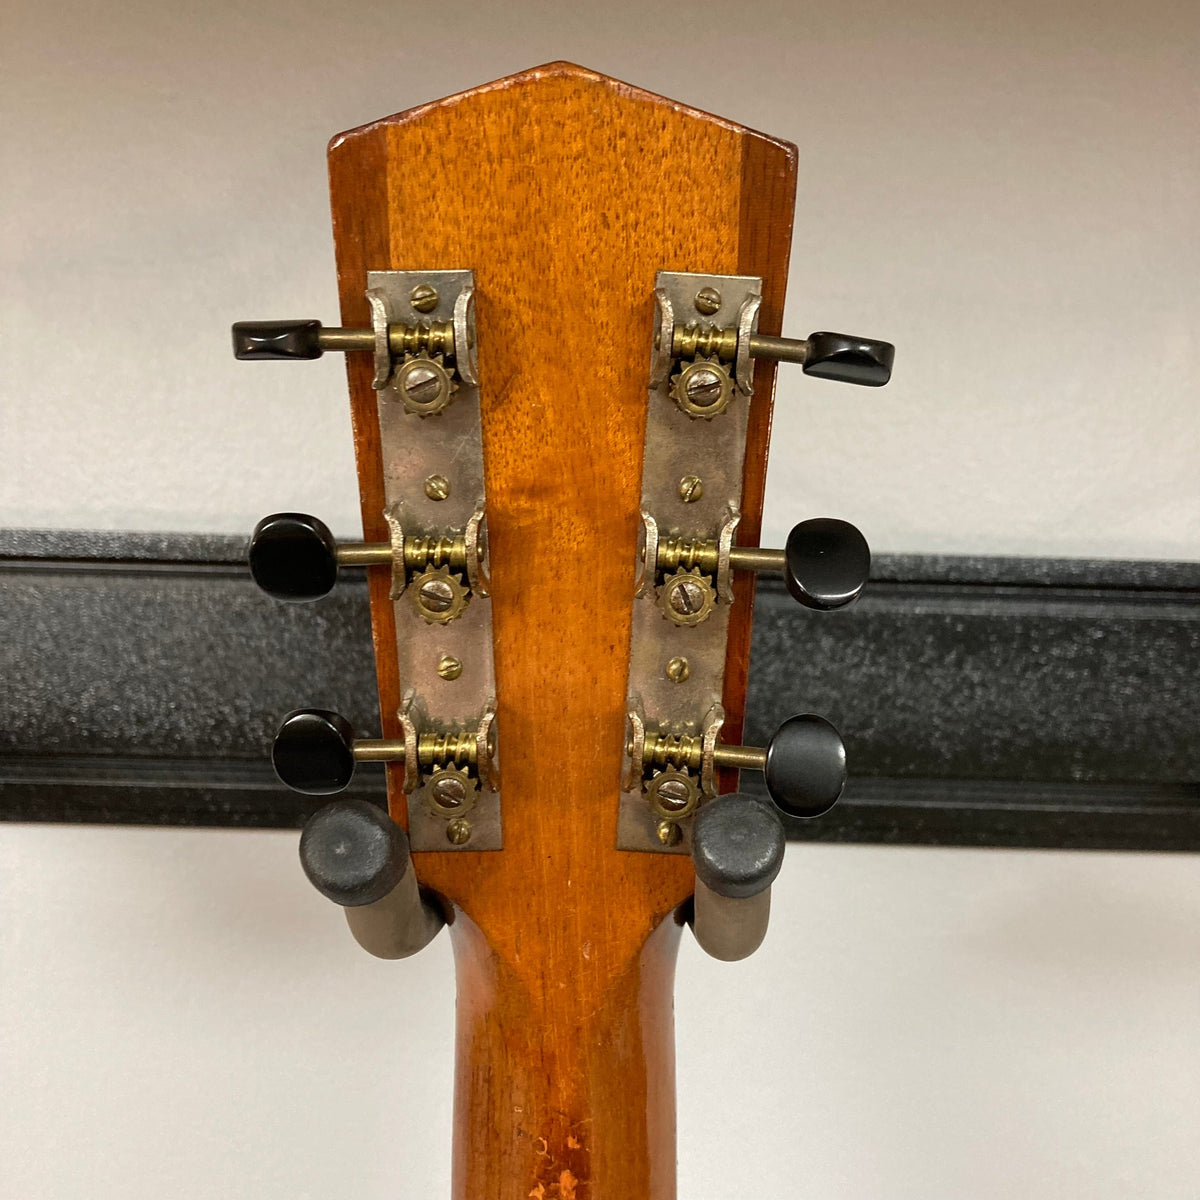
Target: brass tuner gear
[(686, 597), (451, 791), (702, 388), (673, 794), (424, 384), (439, 595)]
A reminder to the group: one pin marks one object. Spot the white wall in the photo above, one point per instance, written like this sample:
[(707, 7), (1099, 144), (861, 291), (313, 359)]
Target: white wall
[(1010, 193)]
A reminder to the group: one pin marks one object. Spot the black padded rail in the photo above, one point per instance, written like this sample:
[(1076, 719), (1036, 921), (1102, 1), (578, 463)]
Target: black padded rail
[(983, 701)]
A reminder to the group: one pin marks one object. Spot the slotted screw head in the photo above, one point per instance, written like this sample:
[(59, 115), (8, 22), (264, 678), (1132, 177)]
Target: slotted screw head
[(423, 298), (673, 795), (458, 831), (691, 488), (708, 301), (678, 670), (436, 595), (450, 792), (704, 387), (449, 667), (669, 833), (437, 487), (687, 597), (422, 384)]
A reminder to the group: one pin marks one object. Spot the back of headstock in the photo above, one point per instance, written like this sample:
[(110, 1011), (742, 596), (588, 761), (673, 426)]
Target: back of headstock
[(549, 437)]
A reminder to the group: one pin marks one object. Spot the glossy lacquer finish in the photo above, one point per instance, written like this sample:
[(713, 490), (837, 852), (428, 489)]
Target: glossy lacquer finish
[(565, 192)]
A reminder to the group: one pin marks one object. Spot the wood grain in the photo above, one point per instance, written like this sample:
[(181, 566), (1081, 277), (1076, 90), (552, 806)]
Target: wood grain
[(565, 191)]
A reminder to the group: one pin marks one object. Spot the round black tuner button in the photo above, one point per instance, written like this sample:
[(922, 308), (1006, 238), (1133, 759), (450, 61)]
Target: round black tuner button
[(826, 563), (737, 845), (276, 339), (293, 557), (806, 766), (353, 852), (313, 752), (848, 359)]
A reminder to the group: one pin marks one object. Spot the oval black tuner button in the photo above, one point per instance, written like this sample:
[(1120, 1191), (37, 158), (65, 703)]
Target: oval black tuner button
[(276, 339), (737, 845), (806, 766), (293, 557), (826, 563), (849, 359), (353, 852), (313, 752)]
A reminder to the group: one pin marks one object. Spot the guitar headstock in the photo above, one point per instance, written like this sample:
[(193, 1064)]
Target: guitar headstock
[(561, 303)]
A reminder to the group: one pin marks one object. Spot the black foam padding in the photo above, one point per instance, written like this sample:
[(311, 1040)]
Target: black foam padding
[(353, 852), (737, 845), (806, 766), (827, 563), (276, 339), (313, 752), (849, 359), (293, 557)]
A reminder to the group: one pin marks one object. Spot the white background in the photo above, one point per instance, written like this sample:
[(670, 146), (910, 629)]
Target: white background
[(1010, 193)]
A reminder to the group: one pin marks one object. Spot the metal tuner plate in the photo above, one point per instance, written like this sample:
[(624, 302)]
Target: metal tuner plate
[(698, 408), (430, 434)]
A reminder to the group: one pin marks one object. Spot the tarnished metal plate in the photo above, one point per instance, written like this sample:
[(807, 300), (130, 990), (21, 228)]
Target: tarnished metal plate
[(713, 450), (415, 447)]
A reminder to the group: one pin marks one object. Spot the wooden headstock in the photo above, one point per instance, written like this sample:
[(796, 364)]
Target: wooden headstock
[(565, 193)]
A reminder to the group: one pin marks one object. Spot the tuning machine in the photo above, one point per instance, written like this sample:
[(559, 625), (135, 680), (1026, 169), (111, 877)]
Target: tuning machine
[(450, 774), (705, 347), (422, 339), (825, 565), (293, 557)]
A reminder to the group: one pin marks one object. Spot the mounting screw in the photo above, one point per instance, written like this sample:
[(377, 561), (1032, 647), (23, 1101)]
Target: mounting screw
[(669, 833), (458, 831), (691, 488), (708, 301), (423, 298), (437, 487), (449, 667), (678, 670)]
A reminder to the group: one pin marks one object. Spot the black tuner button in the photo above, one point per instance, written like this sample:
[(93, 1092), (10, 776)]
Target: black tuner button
[(826, 563), (849, 359), (293, 557), (806, 766), (353, 852), (276, 339), (737, 845), (313, 752)]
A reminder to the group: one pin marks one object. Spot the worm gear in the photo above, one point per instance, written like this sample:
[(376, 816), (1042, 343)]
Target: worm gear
[(438, 595), (686, 597), (672, 794), (702, 388), (450, 791)]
